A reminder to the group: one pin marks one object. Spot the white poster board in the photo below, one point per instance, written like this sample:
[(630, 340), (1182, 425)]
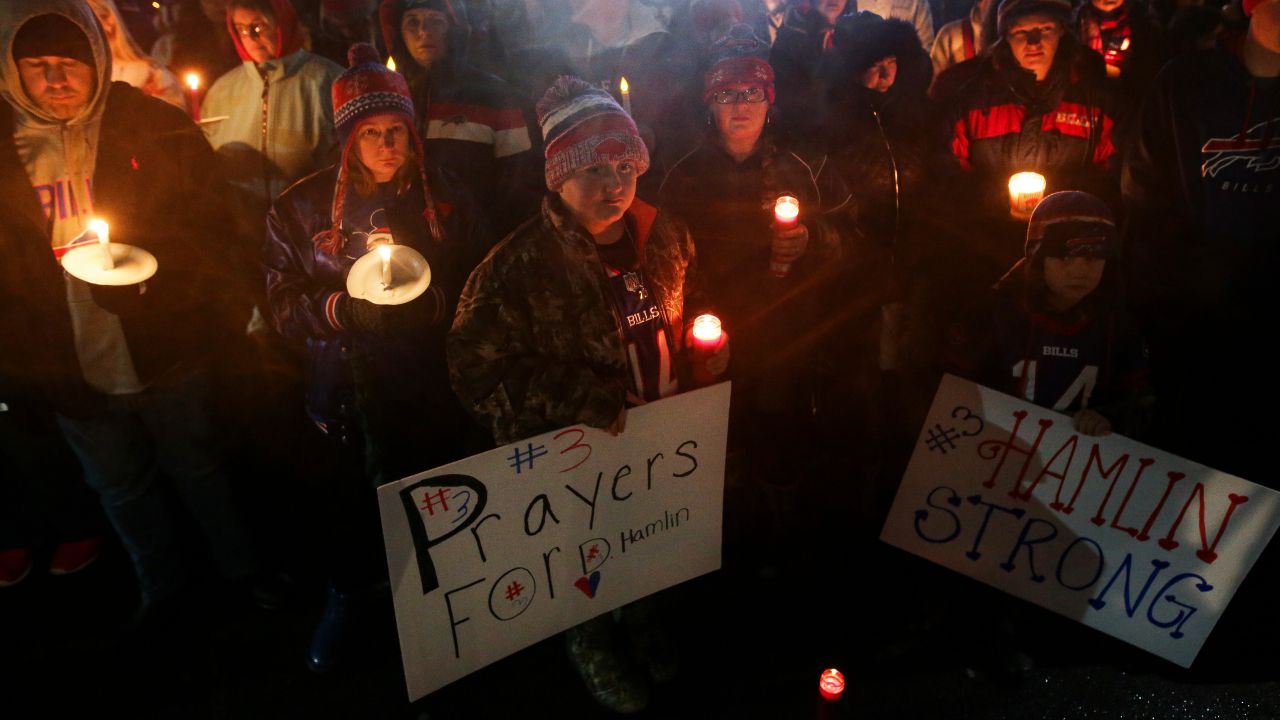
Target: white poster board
[(1140, 544), (491, 554)]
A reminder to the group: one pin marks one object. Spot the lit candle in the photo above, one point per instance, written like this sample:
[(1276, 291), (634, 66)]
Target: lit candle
[(831, 684), (391, 64), (1026, 190), (384, 251), (625, 88), (707, 331), (99, 228), (785, 212), (193, 82)]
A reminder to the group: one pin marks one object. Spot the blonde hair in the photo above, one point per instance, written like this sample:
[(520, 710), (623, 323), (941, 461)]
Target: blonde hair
[(123, 47)]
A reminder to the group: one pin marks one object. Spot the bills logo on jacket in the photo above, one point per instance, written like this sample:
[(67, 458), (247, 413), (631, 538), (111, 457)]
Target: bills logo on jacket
[(1257, 150)]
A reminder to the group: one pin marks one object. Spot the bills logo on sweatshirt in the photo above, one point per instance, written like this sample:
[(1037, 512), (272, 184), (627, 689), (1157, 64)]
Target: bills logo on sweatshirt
[(1258, 150), (66, 198)]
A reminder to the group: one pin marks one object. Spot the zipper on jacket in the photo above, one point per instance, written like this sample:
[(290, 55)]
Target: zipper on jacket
[(266, 161)]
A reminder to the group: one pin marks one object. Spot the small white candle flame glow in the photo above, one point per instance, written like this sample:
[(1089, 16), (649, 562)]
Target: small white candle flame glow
[(193, 81), (1026, 190), (625, 88), (99, 227), (707, 329), (786, 209), (391, 64), (384, 251)]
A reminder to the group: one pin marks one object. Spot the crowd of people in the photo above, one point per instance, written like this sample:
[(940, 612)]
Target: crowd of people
[(575, 223)]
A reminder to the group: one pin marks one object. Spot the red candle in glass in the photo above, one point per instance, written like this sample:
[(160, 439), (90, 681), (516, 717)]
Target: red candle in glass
[(831, 684)]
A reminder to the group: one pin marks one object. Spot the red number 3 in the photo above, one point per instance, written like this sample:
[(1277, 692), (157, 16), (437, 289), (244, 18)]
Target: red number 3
[(577, 445)]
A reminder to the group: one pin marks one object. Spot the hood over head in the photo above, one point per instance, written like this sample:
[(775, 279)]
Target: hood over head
[(289, 32), (15, 16), (390, 13), (863, 39)]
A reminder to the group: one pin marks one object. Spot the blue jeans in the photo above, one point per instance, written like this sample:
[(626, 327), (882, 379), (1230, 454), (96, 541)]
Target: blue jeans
[(164, 430)]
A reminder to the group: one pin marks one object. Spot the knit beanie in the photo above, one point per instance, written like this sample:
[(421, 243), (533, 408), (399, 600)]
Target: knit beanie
[(583, 126), (739, 58), (1011, 10), (368, 89), (1071, 224), (52, 35)]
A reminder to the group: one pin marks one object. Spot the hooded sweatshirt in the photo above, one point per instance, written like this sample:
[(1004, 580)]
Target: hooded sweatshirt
[(59, 157)]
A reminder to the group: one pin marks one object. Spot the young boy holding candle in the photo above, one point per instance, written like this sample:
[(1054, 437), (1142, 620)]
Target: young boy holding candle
[(1054, 331)]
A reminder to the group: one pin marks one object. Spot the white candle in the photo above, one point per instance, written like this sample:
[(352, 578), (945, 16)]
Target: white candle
[(99, 228), (625, 88), (384, 251), (193, 83), (1026, 190)]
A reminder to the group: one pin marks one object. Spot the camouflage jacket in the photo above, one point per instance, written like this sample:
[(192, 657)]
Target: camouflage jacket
[(537, 342)]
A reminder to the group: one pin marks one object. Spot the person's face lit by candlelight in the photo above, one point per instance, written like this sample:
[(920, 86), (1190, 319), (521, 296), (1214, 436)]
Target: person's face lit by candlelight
[(881, 75), (739, 112), (383, 145), (61, 86), (599, 195), (257, 33), (426, 35), (1033, 38)]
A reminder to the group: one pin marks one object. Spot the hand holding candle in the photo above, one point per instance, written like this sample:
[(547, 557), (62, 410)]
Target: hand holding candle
[(790, 238), (1026, 190), (193, 83), (710, 348)]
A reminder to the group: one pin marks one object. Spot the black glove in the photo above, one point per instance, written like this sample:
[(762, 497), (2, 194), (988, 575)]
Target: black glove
[(364, 317)]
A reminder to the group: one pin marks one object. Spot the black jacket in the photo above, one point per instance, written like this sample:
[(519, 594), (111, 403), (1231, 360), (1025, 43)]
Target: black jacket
[(153, 180)]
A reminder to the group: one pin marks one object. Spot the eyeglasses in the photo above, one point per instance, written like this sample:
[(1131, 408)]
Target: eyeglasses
[(731, 97), (1032, 36), (252, 31)]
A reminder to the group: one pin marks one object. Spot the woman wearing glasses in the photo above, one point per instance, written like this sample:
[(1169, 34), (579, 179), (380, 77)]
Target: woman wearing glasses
[(763, 276)]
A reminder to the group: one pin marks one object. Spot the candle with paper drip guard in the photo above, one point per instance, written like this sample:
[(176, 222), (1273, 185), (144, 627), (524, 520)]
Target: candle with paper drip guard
[(1026, 190), (193, 83), (388, 274), (625, 89), (107, 263), (786, 210)]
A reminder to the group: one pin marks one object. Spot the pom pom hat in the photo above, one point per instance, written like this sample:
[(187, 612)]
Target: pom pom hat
[(584, 126), (1071, 224), (739, 58), (366, 90)]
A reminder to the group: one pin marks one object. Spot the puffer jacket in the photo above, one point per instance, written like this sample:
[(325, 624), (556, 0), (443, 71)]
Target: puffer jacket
[(537, 344), (471, 122), (1003, 122), (306, 286)]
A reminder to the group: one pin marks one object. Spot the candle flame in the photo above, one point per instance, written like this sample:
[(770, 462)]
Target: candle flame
[(384, 251), (391, 64), (786, 209), (155, 5), (99, 228), (623, 85), (706, 328), (193, 81), (831, 683), (1026, 182)]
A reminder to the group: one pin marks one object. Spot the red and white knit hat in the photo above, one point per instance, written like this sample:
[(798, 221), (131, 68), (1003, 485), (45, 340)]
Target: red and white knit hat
[(366, 90), (740, 58), (584, 126)]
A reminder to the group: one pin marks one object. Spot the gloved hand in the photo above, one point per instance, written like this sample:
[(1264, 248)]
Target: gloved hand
[(386, 321)]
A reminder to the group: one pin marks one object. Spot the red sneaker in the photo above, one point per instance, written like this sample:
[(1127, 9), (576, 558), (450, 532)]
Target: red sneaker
[(75, 556), (14, 566)]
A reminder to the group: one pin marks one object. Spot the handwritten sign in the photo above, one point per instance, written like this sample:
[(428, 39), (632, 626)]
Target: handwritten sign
[(1140, 544), (491, 554)]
